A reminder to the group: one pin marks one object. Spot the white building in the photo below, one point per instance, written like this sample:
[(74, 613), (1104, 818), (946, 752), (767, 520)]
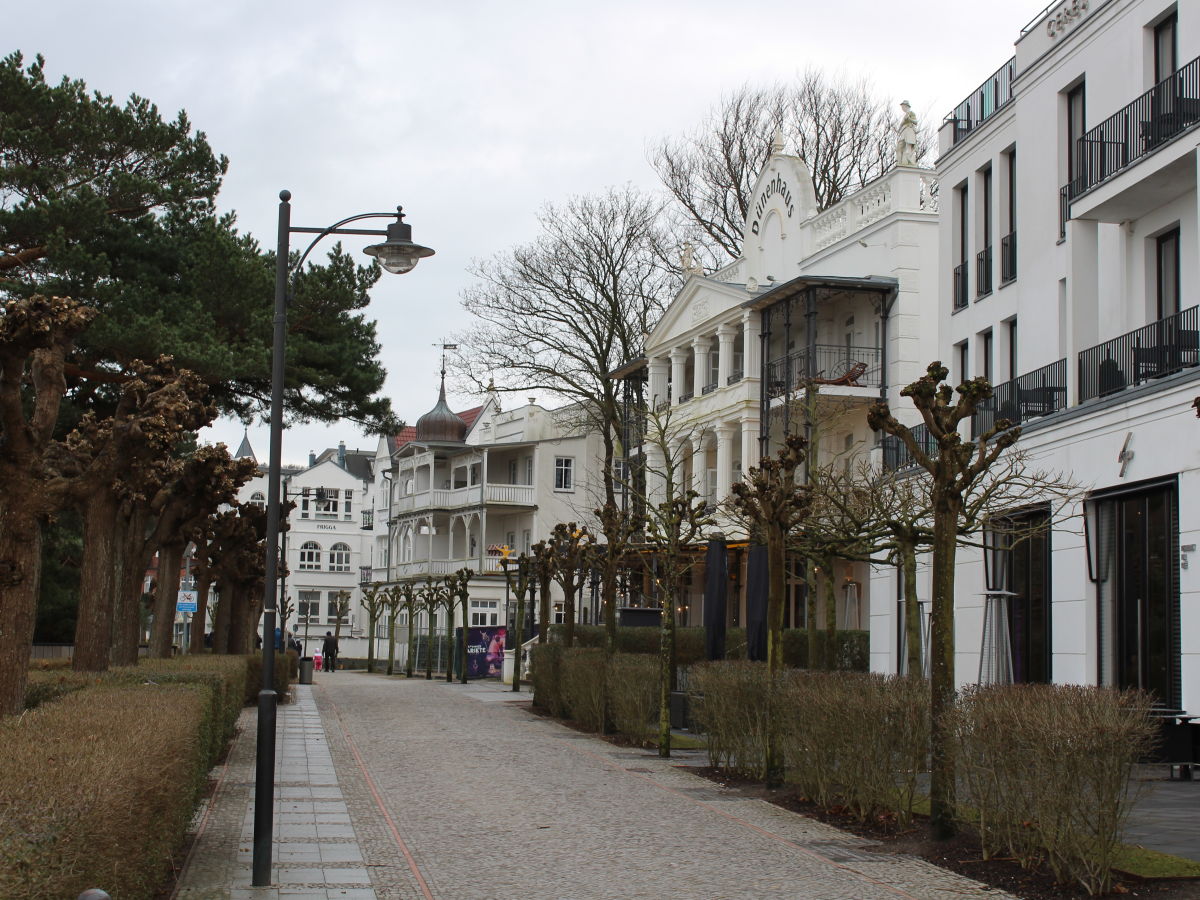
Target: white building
[(1085, 145), (327, 544), (836, 298), (457, 487)]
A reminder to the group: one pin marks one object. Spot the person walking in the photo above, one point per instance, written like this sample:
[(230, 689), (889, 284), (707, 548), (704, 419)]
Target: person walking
[(329, 650)]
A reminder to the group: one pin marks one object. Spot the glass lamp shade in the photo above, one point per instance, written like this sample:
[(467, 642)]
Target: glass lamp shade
[(398, 254)]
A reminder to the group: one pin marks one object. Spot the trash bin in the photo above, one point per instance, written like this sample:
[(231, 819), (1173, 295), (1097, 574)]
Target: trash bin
[(306, 669)]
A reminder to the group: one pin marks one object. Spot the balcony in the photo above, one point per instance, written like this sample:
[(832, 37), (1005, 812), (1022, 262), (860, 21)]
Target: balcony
[(1038, 393), (833, 364), (490, 565), (1008, 258), (984, 102), (709, 388), (1169, 109), (735, 377), (960, 286), (983, 272), (474, 495), (368, 519), (896, 456), (1152, 351)]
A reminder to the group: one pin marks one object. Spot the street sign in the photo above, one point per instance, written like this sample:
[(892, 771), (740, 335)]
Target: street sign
[(186, 602)]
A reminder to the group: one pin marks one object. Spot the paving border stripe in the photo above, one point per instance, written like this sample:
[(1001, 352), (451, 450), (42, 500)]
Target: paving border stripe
[(387, 817), (208, 808), (750, 825)]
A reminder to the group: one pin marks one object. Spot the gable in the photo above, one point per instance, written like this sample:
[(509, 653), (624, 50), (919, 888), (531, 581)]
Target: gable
[(697, 302)]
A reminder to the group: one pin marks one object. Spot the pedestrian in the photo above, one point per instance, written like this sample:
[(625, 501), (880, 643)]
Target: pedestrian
[(329, 649)]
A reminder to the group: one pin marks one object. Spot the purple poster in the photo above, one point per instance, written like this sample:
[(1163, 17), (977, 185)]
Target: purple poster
[(485, 651)]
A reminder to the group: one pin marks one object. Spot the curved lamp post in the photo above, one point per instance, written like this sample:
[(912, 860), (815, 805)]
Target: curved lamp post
[(397, 254)]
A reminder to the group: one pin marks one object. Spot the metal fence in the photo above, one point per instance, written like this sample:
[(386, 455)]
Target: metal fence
[(983, 102), (1037, 393), (1152, 351)]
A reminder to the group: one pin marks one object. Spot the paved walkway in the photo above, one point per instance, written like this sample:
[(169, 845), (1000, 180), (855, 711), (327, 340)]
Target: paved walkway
[(415, 789)]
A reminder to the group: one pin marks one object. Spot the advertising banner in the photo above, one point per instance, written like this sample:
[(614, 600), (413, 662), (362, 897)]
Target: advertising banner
[(485, 651)]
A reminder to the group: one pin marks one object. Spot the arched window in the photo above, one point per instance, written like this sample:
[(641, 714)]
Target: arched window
[(257, 499), (310, 555), (339, 558)]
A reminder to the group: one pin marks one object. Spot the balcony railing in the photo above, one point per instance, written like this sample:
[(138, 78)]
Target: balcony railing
[(709, 388), (983, 102), (983, 272), (684, 398), (960, 286), (444, 498), (1038, 393), (1152, 351), (897, 458), (832, 364), (1153, 120), (735, 377), (1008, 258), (368, 519)]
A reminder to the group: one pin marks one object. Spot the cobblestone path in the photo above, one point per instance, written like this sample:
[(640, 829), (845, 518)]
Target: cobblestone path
[(457, 794)]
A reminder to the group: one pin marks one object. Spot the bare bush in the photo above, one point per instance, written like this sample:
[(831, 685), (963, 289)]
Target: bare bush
[(729, 702), (546, 677), (583, 686), (1047, 770), (633, 695)]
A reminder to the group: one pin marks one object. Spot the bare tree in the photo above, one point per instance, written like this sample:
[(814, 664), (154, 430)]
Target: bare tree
[(841, 127), (374, 601), (562, 312)]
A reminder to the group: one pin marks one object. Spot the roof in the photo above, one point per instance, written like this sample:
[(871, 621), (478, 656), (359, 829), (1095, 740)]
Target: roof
[(872, 283), (359, 463), (409, 434), (244, 449)]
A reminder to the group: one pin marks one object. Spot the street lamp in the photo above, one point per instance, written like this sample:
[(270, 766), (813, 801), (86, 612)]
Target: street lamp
[(398, 254)]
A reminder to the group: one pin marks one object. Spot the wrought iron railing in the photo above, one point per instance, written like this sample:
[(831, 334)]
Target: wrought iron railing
[(709, 388), (960, 286), (1153, 120), (896, 456), (982, 103), (735, 377), (983, 272), (1008, 258), (831, 364), (1152, 351), (1038, 393), (684, 398)]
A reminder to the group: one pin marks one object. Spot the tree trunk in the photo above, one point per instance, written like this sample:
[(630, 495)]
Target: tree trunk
[(412, 641), (946, 513), (374, 620), (127, 606), (450, 604), (816, 647), (391, 666), (666, 646), (20, 582), (544, 610), (239, 631), (170, 555), (776, 596), (520, 639), (831, 654), (222, 617), (462, 650), (569, 613), (913, 644), (608, 600), (203, 583), (429, 650), (99, 579)]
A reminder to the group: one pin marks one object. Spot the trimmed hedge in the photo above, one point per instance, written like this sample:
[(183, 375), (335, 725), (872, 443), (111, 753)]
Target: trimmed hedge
[(99, 787), (584, 686), (853, 647), (545, 662), (633, 684)]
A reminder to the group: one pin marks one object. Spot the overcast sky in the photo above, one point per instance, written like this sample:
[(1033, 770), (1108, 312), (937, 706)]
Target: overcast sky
[(473, 114)]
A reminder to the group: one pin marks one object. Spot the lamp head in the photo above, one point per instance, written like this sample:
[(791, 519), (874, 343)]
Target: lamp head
[(398, 254)]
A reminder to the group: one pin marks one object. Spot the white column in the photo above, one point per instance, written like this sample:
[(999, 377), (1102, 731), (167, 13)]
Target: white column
[(654, 471), (700, 367), (658, 367), (678, 369), (700, 464), (725, 335), (725, 433), (751, 351), (750, 455)]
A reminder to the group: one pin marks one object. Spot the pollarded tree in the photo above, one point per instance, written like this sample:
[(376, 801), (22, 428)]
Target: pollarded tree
[(573, 550), (954, 470), (36, 336), (410, 599), (842, 129), (560, 313), (374, 601), (236, 552), (460, 587)]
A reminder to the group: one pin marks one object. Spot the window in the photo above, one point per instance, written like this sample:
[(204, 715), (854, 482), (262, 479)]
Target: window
[(529, 470), (564, 473), (310, 556), (1008, 243), (485, 612), (1013, 371), (257, 499), (1167, 266), (339, 608), (526, 540), (510, 540), (1029, 608), (961, 214), (308, 607), (1166, 48), (964, 357), (986, 351), (983, 279), (512, 471), (339, 558), (1076, 125)]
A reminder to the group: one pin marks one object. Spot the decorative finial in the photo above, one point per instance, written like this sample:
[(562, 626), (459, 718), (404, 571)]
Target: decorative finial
[(778, 142)]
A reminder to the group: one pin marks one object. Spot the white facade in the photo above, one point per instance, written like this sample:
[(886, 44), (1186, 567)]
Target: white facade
[(839, 297), (1093, 313), (327, 545)]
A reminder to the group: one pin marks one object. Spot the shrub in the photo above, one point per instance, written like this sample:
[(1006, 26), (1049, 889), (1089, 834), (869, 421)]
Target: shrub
[(583, 686), (1046, 769), (633, 681), (546, 676), (282, 681), (729, 703), (99, 788)]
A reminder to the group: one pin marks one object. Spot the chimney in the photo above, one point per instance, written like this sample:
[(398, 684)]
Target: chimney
[(342, 454), (312, 459)]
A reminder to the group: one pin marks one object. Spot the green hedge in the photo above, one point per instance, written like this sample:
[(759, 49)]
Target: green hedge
[(545, 661), (853, 653)]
